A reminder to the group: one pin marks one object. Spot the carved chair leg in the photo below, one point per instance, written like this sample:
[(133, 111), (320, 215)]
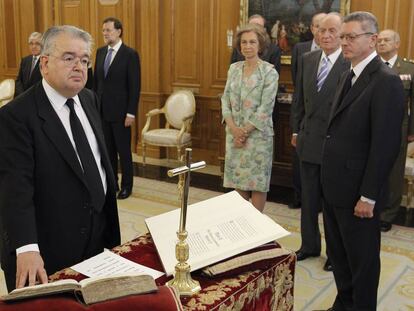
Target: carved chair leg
[(409, 192), (179, 153), (144, 146)]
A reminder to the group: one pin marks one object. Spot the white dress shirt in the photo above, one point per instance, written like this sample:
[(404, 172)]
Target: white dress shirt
[(391, 61)]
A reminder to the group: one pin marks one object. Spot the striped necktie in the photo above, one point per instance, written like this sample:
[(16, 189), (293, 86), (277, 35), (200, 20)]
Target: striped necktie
[(107, 62), (323, 73)]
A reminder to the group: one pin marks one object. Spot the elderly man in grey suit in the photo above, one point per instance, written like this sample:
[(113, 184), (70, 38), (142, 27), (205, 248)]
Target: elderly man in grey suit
[(318, 76)]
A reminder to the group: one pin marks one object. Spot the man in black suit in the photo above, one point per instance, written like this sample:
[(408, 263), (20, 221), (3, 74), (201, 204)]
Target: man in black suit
[(362, 142), (117, 83), (271, 54), (57, 189), (298, 50), (29, 73), (318, 76)]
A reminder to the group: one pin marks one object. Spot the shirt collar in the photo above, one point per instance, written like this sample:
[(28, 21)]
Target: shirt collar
[(391, 61), (116, 46), (333, 56), (361, 65), (314, 46), (56, 99)]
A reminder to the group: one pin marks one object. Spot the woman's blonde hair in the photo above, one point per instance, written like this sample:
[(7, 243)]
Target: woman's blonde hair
[(260, 32)]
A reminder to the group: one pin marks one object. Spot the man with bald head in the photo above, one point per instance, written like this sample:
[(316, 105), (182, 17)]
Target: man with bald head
[(361, 144), (387, 47), (318, 75)]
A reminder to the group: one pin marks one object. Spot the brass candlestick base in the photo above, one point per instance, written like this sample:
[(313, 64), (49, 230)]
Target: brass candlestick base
[(182, 280)]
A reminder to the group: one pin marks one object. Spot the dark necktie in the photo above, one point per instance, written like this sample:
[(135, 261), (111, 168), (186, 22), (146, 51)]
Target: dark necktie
[(388, 64), (347, 84), (90, 169), (107, 62)]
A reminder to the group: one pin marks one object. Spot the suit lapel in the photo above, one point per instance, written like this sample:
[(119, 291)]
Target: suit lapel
[(54, 129), (313, 74), (116, 60), (94, 121), (358, 87), (251, 83), (28, 66), (397, 66)]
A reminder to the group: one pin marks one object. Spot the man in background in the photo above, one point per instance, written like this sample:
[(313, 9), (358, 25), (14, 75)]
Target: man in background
[(362, 142), (318, 76), (29, 72), (270, 55), (117, 83), (387, 48), (298, 50), (57, 189)]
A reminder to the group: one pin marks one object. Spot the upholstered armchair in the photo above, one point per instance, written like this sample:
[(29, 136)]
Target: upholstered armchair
[(179, 111), (6, 91)]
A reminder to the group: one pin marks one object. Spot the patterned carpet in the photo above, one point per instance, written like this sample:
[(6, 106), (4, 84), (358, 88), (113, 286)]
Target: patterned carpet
[(314, 288)]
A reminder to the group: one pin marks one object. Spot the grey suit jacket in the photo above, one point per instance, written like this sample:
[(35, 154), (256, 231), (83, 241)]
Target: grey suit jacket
[(310, 110)]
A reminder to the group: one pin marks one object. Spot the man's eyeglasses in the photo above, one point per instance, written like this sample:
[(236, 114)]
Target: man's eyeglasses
[(70, 60), (351, 37)]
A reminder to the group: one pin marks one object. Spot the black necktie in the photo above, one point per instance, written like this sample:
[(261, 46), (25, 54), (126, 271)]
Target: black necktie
[(347, 84), (388, 64), (90, 169)]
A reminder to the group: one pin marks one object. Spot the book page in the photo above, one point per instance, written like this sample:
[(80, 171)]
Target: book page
[(59, 286), (218, 228), (108, 263)]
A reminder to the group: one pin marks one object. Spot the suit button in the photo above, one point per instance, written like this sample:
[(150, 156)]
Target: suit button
[(328, 136), (83, 230)]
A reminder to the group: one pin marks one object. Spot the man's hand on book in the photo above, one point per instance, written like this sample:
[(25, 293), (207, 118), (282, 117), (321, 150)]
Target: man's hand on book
[(30, 267)]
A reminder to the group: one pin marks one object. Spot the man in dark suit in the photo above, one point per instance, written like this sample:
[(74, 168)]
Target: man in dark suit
[(318, 76), (298, 50), (117, 83), (271, 54), (387, 48), (57, 189), (362, 142), (29, 72), (303, 47)]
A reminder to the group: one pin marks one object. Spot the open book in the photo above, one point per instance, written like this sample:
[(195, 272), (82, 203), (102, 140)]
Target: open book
[(91, 290), (218, 228)]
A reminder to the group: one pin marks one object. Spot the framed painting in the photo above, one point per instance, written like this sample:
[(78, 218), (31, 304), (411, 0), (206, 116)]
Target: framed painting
[(288, 21)]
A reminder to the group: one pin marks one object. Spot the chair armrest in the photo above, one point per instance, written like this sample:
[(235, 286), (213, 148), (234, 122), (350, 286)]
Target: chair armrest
[(154, 112), (150, 114)]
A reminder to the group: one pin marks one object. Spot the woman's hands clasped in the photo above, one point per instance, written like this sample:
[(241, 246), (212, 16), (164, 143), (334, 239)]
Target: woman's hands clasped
[(240, 136)]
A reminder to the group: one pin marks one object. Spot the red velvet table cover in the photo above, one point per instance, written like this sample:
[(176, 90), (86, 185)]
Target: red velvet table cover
[(260, 290)]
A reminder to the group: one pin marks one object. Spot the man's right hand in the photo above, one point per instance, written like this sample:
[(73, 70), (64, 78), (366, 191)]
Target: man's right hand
[(293, 140), (30, 267)]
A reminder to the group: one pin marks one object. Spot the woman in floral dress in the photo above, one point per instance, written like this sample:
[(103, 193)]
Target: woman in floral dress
[(247, 106)]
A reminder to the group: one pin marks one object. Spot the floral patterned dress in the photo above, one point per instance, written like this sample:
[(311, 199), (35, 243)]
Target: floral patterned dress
[(250, 100)]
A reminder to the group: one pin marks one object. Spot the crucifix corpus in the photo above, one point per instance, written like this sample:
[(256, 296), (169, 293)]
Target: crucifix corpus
[(182, 280)]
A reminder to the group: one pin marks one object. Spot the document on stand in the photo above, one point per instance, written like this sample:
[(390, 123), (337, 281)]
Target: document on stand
[(217, 228), (108, 263)]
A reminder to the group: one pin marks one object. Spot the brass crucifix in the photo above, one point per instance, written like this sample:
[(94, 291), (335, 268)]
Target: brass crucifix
[(182, 280)]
